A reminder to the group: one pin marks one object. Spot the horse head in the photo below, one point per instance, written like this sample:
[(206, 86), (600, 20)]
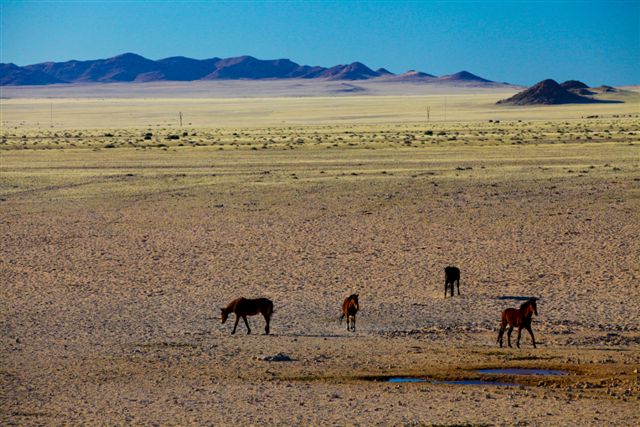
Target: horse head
[(223, 315)]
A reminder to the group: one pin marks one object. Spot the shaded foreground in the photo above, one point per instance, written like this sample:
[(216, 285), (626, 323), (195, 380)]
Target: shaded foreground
[(115, 263)]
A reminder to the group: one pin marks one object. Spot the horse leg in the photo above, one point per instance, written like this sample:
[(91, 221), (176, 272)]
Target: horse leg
[(509, 335), (354, 323), (445, 289), (267, 318), (532, 338), (501, 333), (519, 332), (458, 282), (246, 323), (235, 325), (348, 322)]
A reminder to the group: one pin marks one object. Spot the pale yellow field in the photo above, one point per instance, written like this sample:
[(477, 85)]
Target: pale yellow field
[(122, 106), (119, 248)]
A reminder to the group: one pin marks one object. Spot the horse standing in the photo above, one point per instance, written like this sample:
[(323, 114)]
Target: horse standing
[(520, 318), (243, 307), (451, 276), (350, 307)]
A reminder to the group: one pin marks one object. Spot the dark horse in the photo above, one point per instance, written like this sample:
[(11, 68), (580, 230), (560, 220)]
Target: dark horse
[(350, 308), (520, 318), (243, 307), (451, 276)]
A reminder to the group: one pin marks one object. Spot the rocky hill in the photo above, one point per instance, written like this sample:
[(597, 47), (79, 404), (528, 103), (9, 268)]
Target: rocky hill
[(546, 92)]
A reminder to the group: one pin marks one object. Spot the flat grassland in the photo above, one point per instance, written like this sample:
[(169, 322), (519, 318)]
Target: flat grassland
[(123, 234)]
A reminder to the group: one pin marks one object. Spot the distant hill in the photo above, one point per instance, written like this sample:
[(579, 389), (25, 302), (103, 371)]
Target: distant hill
[(547, 92), (353, 71), (463, 76), (121, 68), (384, 72), (577, 87), (573, 84), (411, 76), (130, 67), (11, 73)]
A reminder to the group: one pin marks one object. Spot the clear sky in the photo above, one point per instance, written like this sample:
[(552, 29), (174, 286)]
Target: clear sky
[(521, 42)]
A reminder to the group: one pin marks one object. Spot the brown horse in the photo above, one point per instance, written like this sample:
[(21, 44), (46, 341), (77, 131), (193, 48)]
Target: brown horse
[(520, 318), (451, 277), (243, 307), (350, 307)]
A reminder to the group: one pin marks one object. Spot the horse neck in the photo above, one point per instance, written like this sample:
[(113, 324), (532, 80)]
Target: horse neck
[(229, 308), (527, 312)]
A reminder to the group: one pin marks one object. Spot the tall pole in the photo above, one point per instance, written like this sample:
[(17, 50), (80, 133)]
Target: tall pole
[(428, 113), (51, 114), (180, 118), (445, 108)]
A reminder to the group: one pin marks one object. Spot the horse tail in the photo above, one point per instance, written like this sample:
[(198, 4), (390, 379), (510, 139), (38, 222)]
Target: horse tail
[(341, 318)]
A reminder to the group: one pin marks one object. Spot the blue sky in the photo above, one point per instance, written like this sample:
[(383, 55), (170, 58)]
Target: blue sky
[(515, 41)]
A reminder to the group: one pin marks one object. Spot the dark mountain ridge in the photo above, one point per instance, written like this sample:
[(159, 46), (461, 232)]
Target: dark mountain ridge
[(130, 67), (549, 92)]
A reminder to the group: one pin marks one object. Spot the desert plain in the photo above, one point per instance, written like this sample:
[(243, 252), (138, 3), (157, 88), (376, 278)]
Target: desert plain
[(123, 233)]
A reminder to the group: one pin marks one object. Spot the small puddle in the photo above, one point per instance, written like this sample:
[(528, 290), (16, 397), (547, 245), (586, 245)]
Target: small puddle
[(459, 382), (521, 371), (406, 380)]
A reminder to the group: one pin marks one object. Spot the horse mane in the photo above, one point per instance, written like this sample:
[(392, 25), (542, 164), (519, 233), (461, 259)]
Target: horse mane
[(353, 296), (526, 303)]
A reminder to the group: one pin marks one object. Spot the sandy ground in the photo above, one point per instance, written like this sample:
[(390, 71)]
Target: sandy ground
[(114, 264)]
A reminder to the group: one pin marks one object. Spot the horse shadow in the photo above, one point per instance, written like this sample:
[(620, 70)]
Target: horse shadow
[(513, 297)]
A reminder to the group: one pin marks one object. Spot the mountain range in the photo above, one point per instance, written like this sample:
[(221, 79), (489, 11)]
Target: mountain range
[(130, 67)]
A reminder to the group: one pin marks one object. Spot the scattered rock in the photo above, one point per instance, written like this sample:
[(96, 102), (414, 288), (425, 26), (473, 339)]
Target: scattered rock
[(280, 357)]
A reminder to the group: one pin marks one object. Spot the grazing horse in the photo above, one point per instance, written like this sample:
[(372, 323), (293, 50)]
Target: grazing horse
[(520, 318), (350, 307), (451, 276), (243, 307)]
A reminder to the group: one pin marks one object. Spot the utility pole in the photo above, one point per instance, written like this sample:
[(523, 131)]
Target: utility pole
[(428, 113), (51, 115), (180, 114), (445, 108)]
